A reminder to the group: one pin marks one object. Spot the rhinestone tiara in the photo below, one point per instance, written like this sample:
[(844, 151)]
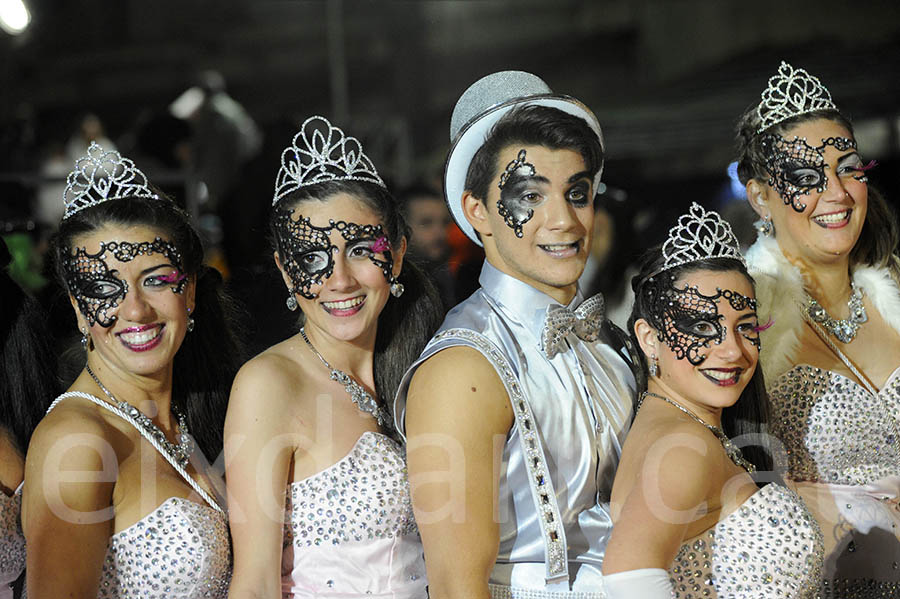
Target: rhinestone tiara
[(790, 93), (321, 152), (102, 176), (700, 235)]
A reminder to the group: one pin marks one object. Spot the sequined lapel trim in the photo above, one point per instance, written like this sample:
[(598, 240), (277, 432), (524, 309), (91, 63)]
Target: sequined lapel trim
[(542, 493)]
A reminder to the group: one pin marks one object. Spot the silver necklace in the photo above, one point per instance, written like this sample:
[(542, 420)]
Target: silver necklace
[(181, 452), (843, 329), (732, 450), (358, 394)]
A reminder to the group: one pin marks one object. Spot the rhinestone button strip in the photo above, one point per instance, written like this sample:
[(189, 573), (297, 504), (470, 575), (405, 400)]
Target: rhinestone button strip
[(769, 547), (12, 543), (180, 550), (557, 566), (364, 496)]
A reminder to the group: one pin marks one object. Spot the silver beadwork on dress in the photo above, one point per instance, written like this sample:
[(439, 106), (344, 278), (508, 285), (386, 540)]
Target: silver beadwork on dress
[(321, 152), (181, 550), (843, 329), (791, 92), (358, 394), (181, 452), (700, 235), (771, 546), (12, 542), (585, 321), (102, 176), (731, 450)]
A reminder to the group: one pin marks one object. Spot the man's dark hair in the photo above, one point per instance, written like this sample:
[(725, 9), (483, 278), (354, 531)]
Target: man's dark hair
[(532, 125)]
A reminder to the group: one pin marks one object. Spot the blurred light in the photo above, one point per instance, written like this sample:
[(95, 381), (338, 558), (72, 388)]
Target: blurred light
[(14, 16), (738, 191)]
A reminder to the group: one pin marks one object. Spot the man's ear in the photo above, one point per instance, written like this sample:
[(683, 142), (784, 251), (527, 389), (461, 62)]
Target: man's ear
[(756, 195), (476, 212)]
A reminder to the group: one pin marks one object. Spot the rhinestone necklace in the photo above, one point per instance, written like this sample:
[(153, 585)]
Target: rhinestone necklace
[(843, 329), (732, 450), (181, 452), (358, 394)]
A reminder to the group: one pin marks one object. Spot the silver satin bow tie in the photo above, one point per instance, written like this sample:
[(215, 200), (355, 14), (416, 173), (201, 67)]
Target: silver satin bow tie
[(585, 322)]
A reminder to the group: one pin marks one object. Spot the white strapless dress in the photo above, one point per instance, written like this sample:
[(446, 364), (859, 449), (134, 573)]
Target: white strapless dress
[(12, 543), (180, 550), (770, 546), (843, 448), (351, 531)]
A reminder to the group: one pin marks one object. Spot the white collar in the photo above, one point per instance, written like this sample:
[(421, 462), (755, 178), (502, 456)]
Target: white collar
[(780, 295)]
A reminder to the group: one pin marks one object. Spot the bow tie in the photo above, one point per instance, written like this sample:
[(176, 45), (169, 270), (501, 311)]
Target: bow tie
[(584, 321)]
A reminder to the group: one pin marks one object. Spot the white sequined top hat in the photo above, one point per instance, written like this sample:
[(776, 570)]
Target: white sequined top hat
[(699, 235), (103, 176), (791, 92), (479, 108), (321, 152)]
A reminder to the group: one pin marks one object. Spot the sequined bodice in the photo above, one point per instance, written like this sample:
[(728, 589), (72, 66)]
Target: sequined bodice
[(771, 546), (351, 529), (833, 429), (12, 543), (180, 550)]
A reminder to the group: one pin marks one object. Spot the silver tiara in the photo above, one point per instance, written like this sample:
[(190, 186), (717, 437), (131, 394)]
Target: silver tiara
[(102, 176), (318, 153), (700, 235), (790, 93)]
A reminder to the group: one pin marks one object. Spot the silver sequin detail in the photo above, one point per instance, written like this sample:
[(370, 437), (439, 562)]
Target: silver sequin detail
[(180, 550), (771, 546), (499, 591), (12, 543), (834, 431), (363, 496), (542, 492)]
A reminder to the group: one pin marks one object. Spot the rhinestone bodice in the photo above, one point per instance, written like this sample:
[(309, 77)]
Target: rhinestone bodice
[(770, 546), (12, 543), (179, 550), (351, 528), (833, 429)]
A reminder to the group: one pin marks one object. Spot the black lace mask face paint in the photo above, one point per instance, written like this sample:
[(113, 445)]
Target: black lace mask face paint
[(687, 321), (97, 290), (516, 205), (796, 168), (307, 253)]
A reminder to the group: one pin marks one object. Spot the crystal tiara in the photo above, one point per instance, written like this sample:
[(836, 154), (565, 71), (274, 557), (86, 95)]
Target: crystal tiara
[(102, 176), (790, 93), (321, 152), (699, 235)]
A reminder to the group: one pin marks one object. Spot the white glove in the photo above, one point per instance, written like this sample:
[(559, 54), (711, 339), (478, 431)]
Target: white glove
[(646, 583)]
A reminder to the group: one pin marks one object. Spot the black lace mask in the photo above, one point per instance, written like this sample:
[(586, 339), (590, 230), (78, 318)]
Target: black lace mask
[(97, 290), (307, 253)]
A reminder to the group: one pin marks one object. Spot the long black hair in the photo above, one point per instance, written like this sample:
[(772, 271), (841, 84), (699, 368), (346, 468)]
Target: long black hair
[(750, 413), (407, 322), (209, 357), (28, 380)]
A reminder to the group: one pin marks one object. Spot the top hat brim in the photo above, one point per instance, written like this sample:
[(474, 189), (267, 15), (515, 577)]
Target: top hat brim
[(474, 134)]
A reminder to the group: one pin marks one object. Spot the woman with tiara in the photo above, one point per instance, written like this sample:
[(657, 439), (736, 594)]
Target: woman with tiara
[(307, 423), (690, 520), (827, 275), (27, 385), (118, 500)]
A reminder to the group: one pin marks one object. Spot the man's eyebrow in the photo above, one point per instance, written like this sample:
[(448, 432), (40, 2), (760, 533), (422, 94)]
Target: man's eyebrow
[(581, 175), (517, 178)]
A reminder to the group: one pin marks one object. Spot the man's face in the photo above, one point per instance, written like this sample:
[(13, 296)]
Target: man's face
[(429, 218), (540, 213)]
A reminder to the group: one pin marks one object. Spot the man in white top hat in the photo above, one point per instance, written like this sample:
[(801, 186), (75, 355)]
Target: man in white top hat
[(516, 411)]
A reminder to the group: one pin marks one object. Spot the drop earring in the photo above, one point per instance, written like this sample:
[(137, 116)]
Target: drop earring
[(397, 288), (87, 343), (764, 226), (654, 366), (291, 302)]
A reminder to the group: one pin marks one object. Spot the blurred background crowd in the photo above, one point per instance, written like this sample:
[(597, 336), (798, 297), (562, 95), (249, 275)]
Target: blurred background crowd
[(204, 96)]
